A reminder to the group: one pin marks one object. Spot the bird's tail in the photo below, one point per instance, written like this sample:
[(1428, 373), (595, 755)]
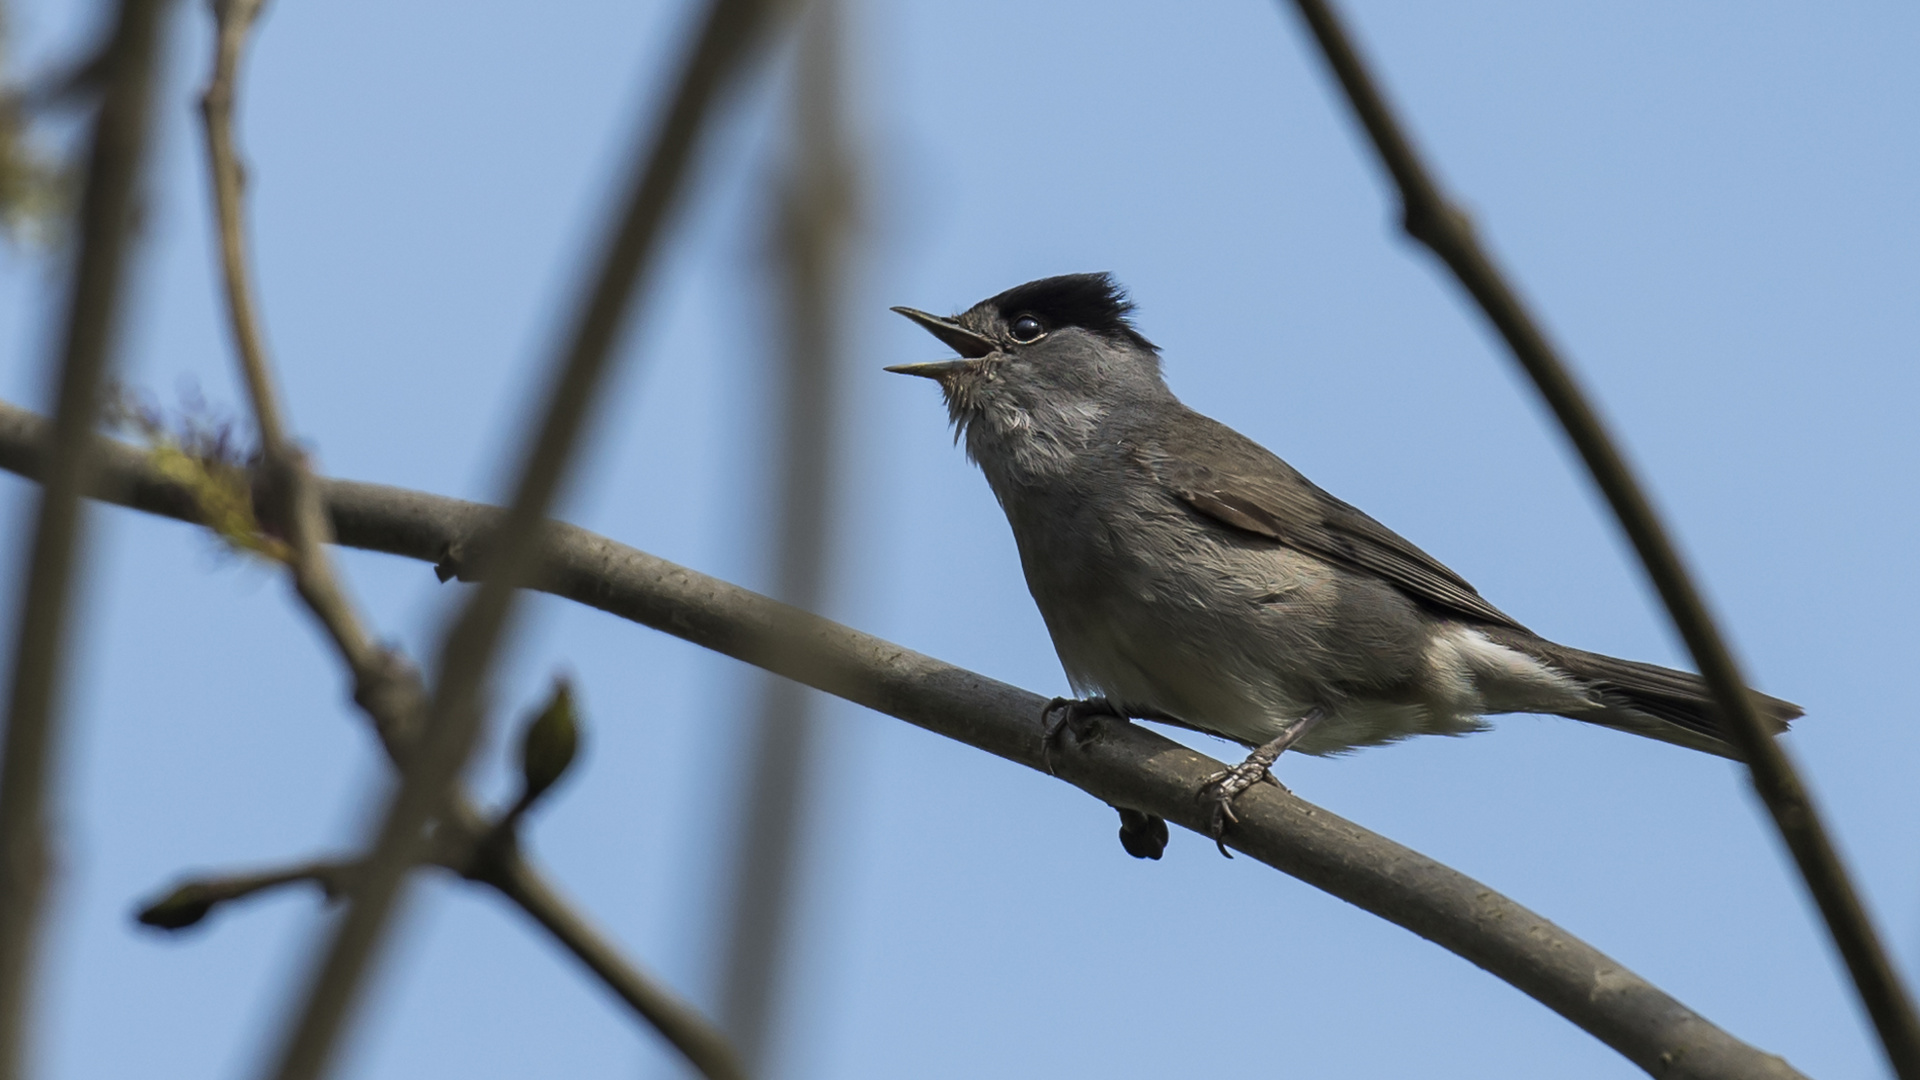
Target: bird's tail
[(1647, 699)]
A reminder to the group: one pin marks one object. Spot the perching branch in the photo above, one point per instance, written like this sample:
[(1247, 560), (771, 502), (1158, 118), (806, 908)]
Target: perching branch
[(1126, 766), (93, 311), (1430, 217), (386, 686)]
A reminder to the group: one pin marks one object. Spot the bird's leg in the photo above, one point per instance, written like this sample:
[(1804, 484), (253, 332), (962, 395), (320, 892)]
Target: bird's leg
[(1222, 787), (1072, 715)]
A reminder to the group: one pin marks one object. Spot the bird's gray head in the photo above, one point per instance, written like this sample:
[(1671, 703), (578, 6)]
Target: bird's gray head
[(1040, 365)]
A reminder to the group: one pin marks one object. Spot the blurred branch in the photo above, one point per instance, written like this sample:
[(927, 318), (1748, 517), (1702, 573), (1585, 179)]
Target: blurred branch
[(118, 145), (1430, 217), (34, 183), (65, 83), (386, 686), (502, 867), (729, 30), (192, 900), (548, 747), (497, 863), (1127, 765), (812, 234)]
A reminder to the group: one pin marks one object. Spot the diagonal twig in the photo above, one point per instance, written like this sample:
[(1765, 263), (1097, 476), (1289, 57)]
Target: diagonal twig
[(41, 631), (386, 686), (729, 30), (506, 870), (1430, 217), (1127, 766)]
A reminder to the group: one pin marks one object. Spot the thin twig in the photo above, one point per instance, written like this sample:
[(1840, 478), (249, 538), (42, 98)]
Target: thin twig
[(811, 237), (193, 899), (385, 685), (494, 860), (233, 19), (48, 576), (506, 870), (730, 28), (1430, 217), (1127, 766)]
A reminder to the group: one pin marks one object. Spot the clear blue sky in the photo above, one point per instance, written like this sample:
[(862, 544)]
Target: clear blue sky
[(1711, 204)]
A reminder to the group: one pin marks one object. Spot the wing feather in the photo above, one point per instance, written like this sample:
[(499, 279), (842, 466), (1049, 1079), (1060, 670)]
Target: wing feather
[(1233, 480)]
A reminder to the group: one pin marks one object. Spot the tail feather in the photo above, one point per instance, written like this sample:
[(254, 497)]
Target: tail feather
[(1628, 694)]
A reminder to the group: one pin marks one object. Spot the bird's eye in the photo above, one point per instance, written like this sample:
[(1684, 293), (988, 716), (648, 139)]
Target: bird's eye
[(1026, 329)]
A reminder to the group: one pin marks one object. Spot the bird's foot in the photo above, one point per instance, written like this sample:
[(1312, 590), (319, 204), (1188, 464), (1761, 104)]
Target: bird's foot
[(1226, 785), (1223, 787), (1144, 835), (1073, 716)]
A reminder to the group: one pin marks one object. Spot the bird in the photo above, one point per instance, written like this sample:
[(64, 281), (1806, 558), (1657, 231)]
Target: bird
[(1188, 575)]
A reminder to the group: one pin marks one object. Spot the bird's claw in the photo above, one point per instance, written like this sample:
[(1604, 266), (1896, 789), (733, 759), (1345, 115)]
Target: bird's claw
[(1223, 787), (1050, 728), (1074, 712)]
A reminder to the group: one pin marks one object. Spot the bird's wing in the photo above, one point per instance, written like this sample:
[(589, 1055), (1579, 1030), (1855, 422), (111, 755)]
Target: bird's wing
[(1230, 478)]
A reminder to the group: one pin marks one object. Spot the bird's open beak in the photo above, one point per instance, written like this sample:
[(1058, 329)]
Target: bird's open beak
[(969, 345)]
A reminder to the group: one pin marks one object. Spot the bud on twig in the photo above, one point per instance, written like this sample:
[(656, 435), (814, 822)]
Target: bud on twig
[(182, 907), (548, 748)]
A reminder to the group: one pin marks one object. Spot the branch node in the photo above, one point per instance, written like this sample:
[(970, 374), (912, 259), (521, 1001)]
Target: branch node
[(452, 563), (1438, 224)]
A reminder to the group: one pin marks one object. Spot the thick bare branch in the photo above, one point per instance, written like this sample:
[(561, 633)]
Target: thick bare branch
[(1433, 219), (730, 29), (118, 146), (1127, 766)]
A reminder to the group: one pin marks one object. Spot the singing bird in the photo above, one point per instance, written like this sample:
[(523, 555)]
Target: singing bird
[(1188, 575)]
